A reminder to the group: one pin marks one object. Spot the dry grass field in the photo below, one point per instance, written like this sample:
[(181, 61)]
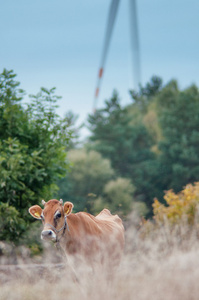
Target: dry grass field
[(158, 264)]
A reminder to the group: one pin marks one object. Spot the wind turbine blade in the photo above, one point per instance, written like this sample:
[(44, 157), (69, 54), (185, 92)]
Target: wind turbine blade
[(109, 30), (135, 43)]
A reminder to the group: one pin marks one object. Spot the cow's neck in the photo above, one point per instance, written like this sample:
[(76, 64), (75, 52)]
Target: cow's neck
[(63, 232), (69, 240), (64, 235)]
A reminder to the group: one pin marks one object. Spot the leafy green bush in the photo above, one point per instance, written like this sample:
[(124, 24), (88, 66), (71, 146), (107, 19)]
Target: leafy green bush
[(88, 174), (117, 196), (11, 225), (33, 140)]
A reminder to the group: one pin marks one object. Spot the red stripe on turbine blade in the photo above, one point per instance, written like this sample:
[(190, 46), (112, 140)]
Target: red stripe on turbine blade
[(97, 92), (100, 72)]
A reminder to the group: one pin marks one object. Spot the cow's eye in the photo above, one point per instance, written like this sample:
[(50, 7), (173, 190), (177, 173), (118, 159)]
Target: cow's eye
[(58, 215)]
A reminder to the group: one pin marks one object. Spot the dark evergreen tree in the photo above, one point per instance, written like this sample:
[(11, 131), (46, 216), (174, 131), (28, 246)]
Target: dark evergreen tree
[(127, 146), (179, 122)]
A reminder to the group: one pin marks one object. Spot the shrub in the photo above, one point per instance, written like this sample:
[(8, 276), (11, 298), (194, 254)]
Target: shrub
[(117, 196), (11, 225), (184, 204), (33, 139)]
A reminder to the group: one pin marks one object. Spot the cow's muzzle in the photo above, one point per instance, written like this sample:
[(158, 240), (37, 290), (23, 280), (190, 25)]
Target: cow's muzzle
[(48, 235)]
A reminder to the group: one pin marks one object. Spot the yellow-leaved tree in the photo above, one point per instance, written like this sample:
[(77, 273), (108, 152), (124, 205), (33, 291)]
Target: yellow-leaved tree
[(185, 204)]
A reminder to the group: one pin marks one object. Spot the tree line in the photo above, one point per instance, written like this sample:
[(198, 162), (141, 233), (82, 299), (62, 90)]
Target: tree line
[(133, 154), (151, 146)]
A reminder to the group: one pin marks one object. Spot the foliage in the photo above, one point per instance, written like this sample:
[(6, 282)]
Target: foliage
[(111, 134), (116, 139), (11, 224), (17, 169), (179, 121), (32, 149), (154, 141), (88, 174), (127, 145), (92, 184), (185, 204), (71, 120), (117, 196), (145, 95), (139, 209)]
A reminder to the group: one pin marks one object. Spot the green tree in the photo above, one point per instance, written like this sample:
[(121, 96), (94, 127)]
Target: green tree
[(146, 94), (92, 185), (111, 134), (11, 224), (88, 174), (126, 144), (117, 196), (74, 130), (154, 141), (175, 126), (32, 150), (179, 122)]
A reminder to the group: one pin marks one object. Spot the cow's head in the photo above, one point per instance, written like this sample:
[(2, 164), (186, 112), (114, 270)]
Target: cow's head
[(53, 217)]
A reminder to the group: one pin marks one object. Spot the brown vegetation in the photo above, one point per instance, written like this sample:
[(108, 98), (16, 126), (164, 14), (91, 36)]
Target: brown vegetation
[(160, 262)]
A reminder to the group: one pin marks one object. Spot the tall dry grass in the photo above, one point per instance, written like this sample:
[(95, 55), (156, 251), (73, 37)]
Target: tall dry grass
[(160, 262)]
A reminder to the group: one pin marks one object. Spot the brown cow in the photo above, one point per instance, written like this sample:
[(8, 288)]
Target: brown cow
[(81, 233)]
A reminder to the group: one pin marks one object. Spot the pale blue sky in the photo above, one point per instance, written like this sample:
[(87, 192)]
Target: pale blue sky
[(59, 43)]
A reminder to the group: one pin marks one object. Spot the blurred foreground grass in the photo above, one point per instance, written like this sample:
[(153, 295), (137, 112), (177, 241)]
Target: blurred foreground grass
[(160, 262)]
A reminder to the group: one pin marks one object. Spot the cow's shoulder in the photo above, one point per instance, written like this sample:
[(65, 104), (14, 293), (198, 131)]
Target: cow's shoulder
[(84, 222), (97, 225)]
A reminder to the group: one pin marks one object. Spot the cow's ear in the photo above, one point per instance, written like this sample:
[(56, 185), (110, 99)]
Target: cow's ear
[(35, 211), (68, 207)]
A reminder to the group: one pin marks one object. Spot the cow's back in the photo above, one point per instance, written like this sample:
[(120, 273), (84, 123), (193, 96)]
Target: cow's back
[(106, 216), (113, 230), (101, 235)]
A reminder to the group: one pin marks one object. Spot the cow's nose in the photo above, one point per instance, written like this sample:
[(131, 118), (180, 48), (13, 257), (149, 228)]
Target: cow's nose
[(48, 235)]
